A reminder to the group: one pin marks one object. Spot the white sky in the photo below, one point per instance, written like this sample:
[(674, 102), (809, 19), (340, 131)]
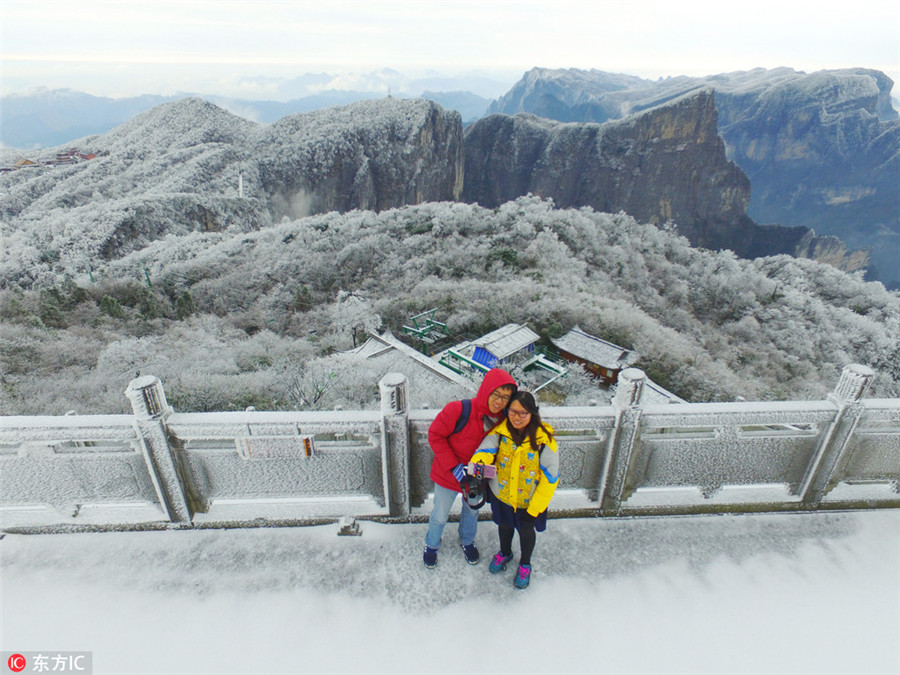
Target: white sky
[(126, 47)]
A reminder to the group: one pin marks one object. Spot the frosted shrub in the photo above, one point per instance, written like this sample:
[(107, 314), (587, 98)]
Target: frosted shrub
[(707, 325)]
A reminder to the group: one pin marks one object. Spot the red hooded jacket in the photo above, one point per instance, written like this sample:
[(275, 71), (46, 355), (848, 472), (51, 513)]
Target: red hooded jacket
[(451, 449)]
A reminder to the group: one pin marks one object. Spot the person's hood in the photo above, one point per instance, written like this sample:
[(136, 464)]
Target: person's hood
[(495, 377)]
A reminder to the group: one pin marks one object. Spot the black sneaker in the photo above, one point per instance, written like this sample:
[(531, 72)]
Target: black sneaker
[(430, 557), (471, 554)]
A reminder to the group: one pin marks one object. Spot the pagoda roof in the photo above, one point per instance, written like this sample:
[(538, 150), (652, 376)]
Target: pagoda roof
[(595, 350)]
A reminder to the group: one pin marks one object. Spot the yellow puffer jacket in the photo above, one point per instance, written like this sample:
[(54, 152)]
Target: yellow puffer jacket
[(526, 477)]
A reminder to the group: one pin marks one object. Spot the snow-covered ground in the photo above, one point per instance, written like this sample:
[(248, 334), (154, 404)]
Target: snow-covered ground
[(769, 593)]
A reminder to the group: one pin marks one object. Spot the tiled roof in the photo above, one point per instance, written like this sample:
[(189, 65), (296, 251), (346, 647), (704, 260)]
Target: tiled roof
[(593, 349), (378, 346), (508, 340)]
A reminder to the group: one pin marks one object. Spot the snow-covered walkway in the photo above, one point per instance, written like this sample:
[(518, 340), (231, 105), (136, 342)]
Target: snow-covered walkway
[(772, 593)]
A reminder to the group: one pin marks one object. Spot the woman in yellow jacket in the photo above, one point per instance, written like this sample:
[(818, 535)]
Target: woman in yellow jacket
[(524, 451)]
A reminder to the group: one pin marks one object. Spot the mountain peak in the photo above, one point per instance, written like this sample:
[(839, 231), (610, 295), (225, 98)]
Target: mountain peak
[(185, 122)]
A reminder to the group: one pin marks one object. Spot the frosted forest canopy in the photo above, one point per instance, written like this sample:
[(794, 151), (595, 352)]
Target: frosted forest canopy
[(229, 319)]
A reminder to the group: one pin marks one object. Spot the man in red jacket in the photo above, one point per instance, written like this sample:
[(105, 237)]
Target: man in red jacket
[(453, 450)]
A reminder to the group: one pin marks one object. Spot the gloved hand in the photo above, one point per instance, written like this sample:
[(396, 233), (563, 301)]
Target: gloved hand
[(525, 517), (459, 472)]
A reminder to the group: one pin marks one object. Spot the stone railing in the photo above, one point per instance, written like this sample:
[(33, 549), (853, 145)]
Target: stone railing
[(160, 468)]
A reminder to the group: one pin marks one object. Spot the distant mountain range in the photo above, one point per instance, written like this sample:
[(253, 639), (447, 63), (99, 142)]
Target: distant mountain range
[(42, 118)]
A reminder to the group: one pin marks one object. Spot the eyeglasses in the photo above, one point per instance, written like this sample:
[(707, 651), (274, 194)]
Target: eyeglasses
[(500, 397), (520, 414)]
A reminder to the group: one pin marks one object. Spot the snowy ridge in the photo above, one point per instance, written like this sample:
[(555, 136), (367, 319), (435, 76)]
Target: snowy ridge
[(185, 123), (668, 298), (190, 166), (375, 119), (587, 94)]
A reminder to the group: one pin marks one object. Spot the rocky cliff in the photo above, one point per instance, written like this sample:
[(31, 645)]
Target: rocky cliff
[(190, 166), (371, 155), (821, 150), (666, 164)]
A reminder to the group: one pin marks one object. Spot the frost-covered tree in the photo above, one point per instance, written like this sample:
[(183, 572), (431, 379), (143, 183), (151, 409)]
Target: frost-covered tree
[(352, 316), (707, 325)]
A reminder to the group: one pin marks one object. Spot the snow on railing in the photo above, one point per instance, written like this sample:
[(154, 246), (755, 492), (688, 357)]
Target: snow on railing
[(159, 468)]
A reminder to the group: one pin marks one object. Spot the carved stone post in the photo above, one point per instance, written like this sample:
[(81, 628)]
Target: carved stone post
[(148, 401), (630, 388), (394, 389), (620, 450), (821, 472), (853, 385)]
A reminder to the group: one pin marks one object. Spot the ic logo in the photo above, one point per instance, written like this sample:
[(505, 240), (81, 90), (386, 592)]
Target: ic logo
[(16, 663)]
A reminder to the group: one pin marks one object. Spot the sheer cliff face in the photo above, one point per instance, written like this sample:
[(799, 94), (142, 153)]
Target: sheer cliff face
[(372, 155), (667, 164)]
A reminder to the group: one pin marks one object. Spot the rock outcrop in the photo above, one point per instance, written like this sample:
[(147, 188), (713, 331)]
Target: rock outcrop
[(664, 165), (371, 155), (833, 251)]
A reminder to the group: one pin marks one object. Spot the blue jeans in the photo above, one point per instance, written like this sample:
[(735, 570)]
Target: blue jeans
[(443, 501)]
